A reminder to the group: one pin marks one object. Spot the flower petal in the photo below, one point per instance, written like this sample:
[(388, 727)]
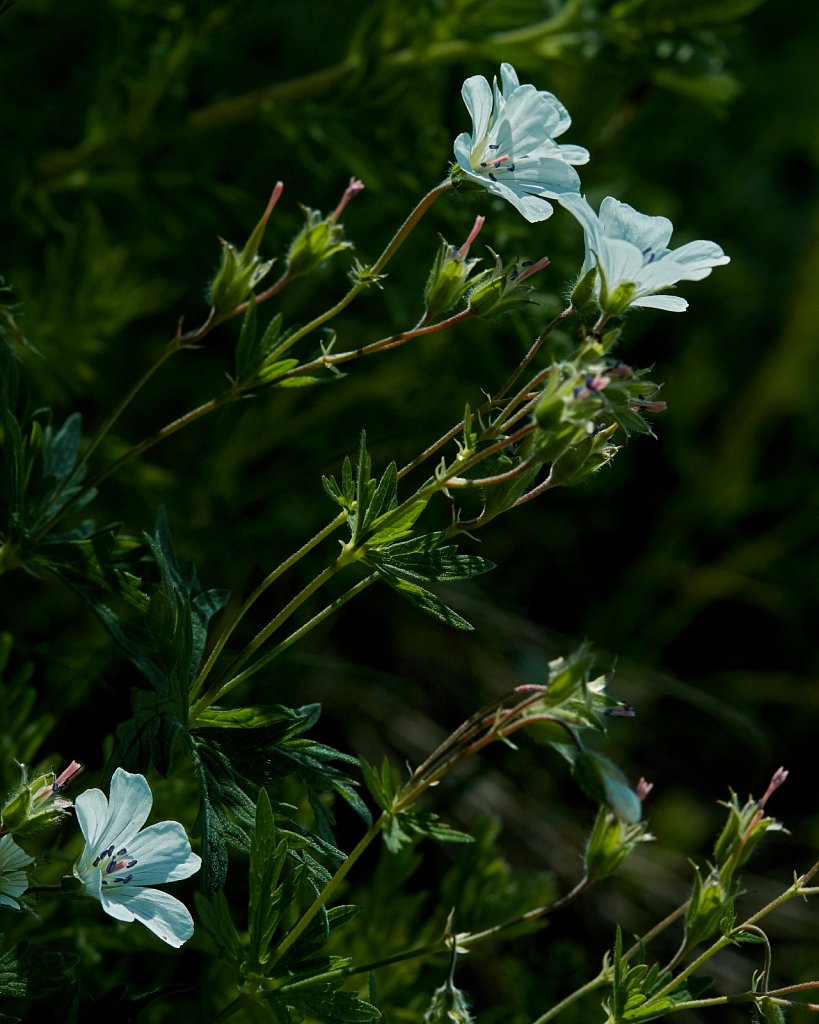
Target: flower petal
[(478, 99), (576, 155), (129, 806), (163, 854), (161, 913), (619, 220), (672, 303), (526, 121)]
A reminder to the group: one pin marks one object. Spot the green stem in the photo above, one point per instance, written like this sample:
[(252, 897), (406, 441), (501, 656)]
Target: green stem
[(383, 345), (723, 940), (264, 634), (325, 613), (232, 394), (394, 244), (249, 601), (598, 982), (327, 892)]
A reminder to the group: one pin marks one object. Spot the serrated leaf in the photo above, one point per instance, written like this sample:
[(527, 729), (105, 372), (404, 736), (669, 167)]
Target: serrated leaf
[(383, 783), (256, 716), (267, 858), (397, 526), (425, 601), (330, 1006), (246, 359), (226, 813), (425, 560), (383, 497)]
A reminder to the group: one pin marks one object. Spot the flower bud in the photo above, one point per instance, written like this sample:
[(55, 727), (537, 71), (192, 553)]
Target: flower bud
[(710, 902), (240, 271), (500, 291), (321, 237), (582, 297), (38, 803), (584, 458), (610, 842), (451, 275)]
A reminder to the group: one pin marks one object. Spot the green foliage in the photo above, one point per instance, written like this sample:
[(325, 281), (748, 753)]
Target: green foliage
[(26, 972), (165, 130), (636, 990)]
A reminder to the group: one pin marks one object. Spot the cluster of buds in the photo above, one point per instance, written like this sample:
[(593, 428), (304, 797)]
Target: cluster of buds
[(37, 802), (30, 807), (583, 404)]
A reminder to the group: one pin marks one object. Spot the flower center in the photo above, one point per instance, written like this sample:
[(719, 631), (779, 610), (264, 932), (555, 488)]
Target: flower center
[(492, 163), (111, 865)]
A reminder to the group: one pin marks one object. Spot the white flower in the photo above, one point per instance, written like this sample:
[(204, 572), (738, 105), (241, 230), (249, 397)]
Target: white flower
[(511, 152), (634, 263), (13, 879), (119, 860)]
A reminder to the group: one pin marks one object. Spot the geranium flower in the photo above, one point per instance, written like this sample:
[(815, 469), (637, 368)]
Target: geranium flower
[(119, 860), (511, 151), (13, 879), (631, 254)]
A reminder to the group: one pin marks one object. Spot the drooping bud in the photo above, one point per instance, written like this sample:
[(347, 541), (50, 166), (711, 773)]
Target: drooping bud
[(610, 842)]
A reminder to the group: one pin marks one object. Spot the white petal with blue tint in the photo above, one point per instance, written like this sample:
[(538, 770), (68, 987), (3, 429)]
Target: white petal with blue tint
[(121, 859)]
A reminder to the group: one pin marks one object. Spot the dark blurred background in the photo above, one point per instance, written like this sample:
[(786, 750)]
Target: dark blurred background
[(137, 131)]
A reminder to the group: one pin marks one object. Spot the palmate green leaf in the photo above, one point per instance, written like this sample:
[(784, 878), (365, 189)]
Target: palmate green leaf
[(266, 759), (25, 974), (383, 783), (409, 826), (633, 987)]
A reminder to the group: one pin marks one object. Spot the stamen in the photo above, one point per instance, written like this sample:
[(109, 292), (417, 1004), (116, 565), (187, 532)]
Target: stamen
[(491, 176), (493, 145)]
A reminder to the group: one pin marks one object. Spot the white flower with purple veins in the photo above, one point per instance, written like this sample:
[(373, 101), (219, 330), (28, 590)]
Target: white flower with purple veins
[(13, 878), (631, 254), (511, 151), (119, 861)]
